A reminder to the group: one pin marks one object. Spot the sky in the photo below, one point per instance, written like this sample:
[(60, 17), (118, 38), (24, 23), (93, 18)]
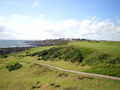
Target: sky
[(53, 19)]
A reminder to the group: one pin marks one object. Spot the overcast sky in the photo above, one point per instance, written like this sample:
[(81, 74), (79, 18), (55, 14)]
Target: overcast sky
[(50, 19)]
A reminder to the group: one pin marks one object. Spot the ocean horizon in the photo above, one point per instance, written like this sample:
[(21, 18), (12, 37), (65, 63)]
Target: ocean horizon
[(13, 43)]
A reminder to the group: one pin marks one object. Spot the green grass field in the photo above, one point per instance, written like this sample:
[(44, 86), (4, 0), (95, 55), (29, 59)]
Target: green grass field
[(112, 48), (32, 76)]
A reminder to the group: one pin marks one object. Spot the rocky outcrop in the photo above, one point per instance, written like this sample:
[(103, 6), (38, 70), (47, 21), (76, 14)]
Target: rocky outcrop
[(12, 50)]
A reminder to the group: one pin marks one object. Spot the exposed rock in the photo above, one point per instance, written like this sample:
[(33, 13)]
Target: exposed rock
[(12, 50)]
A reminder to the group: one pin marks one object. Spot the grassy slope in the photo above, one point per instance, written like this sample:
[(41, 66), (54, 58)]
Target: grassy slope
[(24, 78), (89, 50), (30, 73), (112, 48)]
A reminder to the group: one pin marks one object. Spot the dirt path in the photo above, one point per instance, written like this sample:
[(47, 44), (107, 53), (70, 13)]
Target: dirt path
[(77, 72)]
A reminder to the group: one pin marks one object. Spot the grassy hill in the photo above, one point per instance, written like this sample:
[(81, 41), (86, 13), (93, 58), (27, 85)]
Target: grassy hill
[(109, 47), (99, 57)]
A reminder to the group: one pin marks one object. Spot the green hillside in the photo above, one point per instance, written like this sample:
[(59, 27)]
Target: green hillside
[(112, 48), (97, 57)]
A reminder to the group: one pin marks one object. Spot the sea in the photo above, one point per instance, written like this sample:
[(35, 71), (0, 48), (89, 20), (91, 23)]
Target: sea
[(13, 43)]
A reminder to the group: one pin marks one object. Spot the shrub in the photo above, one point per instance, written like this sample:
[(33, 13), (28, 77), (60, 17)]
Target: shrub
[(103, 56), (3, 56), (50, 53), (14, 66), (95, 58), (114, 60), (28, 54), (72, 54), (67, 53), (34, 54), (106, 69)]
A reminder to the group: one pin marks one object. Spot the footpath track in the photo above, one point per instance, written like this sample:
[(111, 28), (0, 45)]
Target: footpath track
[(83, 73)]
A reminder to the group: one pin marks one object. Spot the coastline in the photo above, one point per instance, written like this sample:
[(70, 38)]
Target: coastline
[(25, 45), (9, 50)]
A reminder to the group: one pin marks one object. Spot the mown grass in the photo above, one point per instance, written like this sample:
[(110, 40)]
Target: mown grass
[(112, 48)]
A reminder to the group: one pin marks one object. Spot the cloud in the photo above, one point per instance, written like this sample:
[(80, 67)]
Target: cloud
[(105, 30), (25, 27), (118, 21), (2, 29), (41, 16), (2, 18)]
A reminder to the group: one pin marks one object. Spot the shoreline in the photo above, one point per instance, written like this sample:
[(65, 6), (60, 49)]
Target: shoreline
[(31, 44), (9, 50)]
